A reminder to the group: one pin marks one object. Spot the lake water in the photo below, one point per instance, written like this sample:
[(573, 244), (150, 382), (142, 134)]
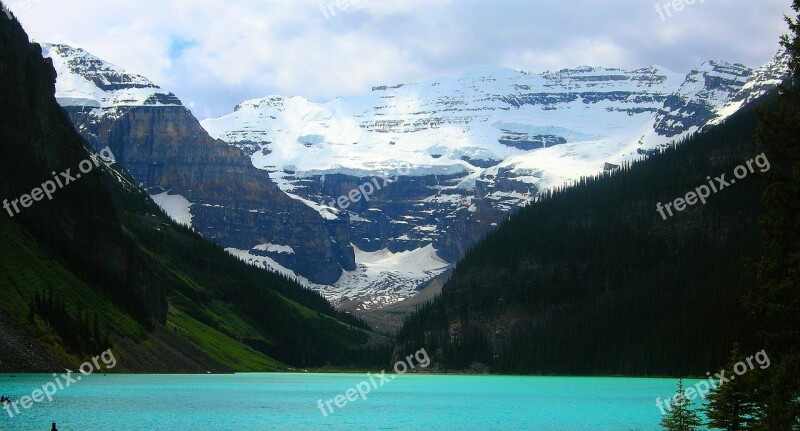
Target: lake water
[(289, 402)]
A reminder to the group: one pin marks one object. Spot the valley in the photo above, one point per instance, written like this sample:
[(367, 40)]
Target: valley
[(465, 152)]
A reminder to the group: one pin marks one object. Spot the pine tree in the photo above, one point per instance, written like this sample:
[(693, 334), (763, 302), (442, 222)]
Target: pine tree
[(681, 417), (730, 406)]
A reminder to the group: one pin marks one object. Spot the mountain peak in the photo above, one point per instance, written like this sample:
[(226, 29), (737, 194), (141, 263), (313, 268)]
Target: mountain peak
[(494, 71), (761, 82), (721, 66), (269, 101), (86, 80)]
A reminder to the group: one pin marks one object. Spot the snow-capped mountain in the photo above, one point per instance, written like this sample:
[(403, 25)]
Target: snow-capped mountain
[(483, 117), (457, 124), (479, 145)]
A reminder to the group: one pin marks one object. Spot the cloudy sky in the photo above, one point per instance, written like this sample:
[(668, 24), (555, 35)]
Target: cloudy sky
[(216, 53)]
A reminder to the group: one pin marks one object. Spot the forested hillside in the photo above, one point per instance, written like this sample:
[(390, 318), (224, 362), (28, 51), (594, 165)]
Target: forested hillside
[(592, 280), (100, 266)]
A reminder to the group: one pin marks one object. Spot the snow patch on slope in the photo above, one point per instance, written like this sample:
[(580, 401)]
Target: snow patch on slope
[(177, 207), (274, 248), (268, 264), (381, 278)]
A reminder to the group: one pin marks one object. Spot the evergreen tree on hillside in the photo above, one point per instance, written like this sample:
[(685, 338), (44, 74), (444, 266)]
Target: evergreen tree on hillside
[(730, 406), (681, 416), (776, 301)]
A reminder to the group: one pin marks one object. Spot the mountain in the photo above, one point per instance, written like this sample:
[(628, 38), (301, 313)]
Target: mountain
[(452, 157), (592, 280), (200, 181), (97, 265), (477, 146)]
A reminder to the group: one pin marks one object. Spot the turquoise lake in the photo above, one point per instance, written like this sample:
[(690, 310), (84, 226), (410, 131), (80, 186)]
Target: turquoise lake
[(289, 402)]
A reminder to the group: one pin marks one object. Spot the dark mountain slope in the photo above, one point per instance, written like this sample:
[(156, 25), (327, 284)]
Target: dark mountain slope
[(100, 266), (592, 280)]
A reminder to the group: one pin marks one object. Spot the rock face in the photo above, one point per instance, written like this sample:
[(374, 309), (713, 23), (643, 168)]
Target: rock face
[(164, 148), (701, 95)]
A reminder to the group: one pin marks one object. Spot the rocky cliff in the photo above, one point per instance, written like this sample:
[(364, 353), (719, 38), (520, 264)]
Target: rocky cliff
[(197, 179)]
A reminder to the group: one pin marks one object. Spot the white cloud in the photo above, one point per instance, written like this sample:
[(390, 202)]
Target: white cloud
[(578, 52), (216, 53)]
